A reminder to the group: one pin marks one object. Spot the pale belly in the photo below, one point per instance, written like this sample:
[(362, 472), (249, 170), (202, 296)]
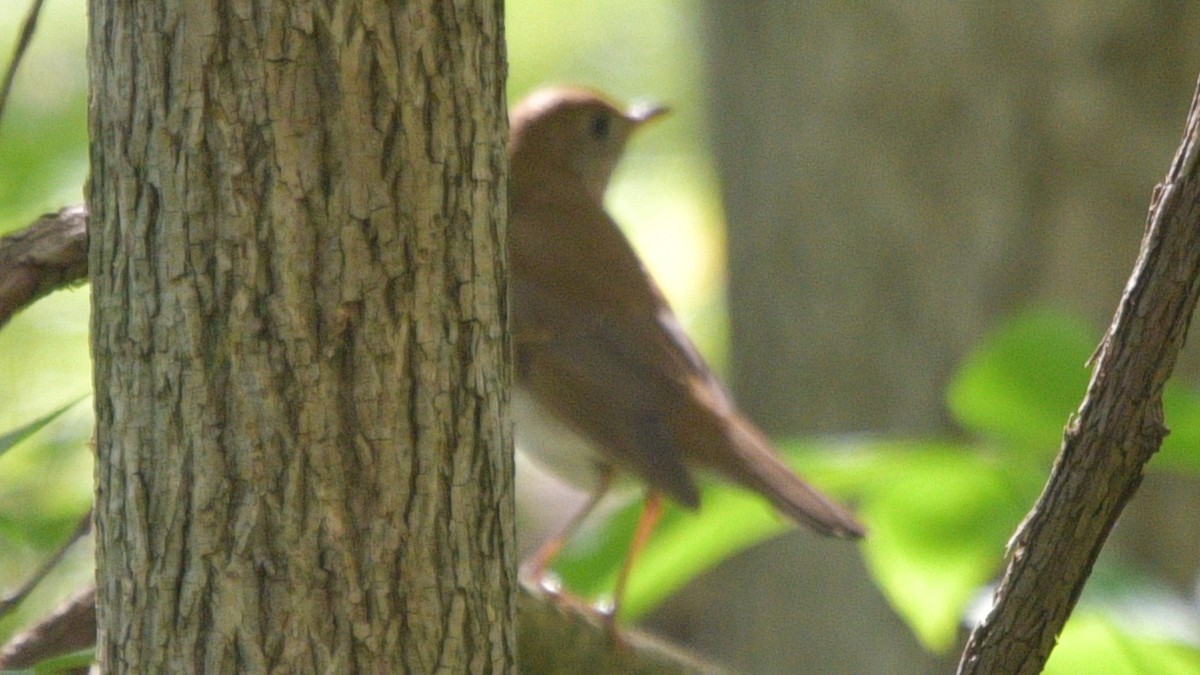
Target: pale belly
[(553, 446)]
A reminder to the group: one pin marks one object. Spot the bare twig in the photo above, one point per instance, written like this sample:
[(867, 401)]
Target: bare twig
[(557, 637), (1118, 428), (71, 627), (48, 255), (554, 638), (27, 31), (13, 599)]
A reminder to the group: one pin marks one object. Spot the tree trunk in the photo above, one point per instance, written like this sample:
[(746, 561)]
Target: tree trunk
[(301, 365)]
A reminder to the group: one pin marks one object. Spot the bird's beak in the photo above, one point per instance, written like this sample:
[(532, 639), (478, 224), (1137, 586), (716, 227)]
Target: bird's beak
[(642, 112)]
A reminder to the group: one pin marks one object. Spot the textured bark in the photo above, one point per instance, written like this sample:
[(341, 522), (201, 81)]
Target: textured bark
[(301, 367), (555, 637), (1107, 445)]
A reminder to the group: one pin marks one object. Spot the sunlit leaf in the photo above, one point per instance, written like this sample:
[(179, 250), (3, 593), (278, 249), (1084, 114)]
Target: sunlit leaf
[(939, 513), (940, 516), (592, 557), (683, 545), (1024, 380), (686, 544), (1181, 448), (731, 521), (1093, 643)]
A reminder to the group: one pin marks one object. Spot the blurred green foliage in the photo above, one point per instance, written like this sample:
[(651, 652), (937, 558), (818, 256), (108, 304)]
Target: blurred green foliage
[(45, 479), (43, 135), (939, 512), (1019, 389), (1099, 644)]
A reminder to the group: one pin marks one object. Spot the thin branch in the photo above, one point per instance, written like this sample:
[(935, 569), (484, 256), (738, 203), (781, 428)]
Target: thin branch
[(48, 255), (1106, 446), (555, 637), (71, 627), (559, 637), (13, 600), (27, 31)]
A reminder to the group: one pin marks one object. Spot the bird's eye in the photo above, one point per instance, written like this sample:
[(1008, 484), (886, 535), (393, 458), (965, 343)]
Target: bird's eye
[(601, 125)]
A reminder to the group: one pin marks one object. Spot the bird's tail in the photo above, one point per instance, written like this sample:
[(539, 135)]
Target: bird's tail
[(749, 459), (761, 469)]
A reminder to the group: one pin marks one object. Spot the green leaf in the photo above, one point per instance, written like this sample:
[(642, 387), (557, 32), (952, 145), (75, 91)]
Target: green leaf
[(939, 513), (685, 544), (1022, 383), (593, 556), (44, 152), (731, 521), (939, 516), (19, 434), (1094, 643), (1181, 448)]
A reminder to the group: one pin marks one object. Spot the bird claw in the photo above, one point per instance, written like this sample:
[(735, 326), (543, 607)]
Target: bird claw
[(550, 585)]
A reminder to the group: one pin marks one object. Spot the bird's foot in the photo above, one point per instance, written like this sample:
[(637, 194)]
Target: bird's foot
[(549, 584)]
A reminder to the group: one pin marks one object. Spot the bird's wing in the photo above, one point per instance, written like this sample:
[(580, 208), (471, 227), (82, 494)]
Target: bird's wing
[(626, 358), (588, 374), (590, 344)]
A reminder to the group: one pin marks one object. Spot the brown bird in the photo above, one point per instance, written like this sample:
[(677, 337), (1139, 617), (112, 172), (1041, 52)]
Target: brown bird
[(607, 382)]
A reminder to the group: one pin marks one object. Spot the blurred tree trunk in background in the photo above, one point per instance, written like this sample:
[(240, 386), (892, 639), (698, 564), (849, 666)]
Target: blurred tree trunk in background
[(897, 177), (301, 367)]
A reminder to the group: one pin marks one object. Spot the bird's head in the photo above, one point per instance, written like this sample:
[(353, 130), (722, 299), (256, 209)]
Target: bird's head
[(572, 130)]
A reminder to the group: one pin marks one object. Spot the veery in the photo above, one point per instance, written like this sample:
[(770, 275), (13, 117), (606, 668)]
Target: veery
[(607, 382)]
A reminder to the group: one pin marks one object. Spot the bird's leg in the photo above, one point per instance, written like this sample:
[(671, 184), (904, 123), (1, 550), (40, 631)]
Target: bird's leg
[(651, 512), (533, 570)]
